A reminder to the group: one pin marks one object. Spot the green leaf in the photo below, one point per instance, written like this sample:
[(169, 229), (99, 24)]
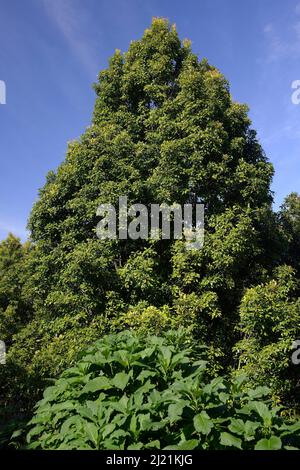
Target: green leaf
[(92, 432), (145, 421), (145, 374), (250, 429), (17, 433), (263, 411), (133, 424), (93, 406), (290, 428), (274, 443), (147, 352), (66, 426), (120, 380), (166, 354), (184, 445), (239, 381), (246, 429), (86, 412), (97, 384), (137, 446), (237, 426), (259, 392), (188, 445), (202, 423), (175, 411), (153, 445), (215, 385), (34, 432), (228, 440), (108, 429)]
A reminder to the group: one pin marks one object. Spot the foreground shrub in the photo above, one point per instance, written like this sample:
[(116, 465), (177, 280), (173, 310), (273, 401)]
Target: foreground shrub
[(46, 348), (134, 392)]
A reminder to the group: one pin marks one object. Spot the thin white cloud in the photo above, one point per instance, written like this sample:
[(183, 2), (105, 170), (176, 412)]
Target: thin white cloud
[(278, 48), (283, 45), (281, 48), (297, 9), (71, 20), (296, 28)]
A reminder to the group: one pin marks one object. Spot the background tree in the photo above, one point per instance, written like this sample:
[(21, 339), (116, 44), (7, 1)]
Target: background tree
[(15, 311), (270, 323), (289, 216)]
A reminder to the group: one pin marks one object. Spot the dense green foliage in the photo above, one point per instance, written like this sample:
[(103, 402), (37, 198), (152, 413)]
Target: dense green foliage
[(270, 322), (14, 309), (165, 129), (128, 392), (290, 220)]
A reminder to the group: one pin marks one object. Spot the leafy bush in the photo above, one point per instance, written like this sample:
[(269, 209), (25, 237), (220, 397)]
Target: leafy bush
[(133, 392), (41, 350), (270, 323), (146, 319), (15, 310)]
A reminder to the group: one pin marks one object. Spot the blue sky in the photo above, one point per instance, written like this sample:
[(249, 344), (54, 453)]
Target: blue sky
[(52, 50)]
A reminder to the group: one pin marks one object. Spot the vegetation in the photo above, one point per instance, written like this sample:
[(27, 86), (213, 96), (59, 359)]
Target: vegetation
[(131, 392), (165, 129)]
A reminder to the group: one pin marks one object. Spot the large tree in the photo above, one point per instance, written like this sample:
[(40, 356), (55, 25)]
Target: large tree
[(165, 129)]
